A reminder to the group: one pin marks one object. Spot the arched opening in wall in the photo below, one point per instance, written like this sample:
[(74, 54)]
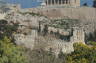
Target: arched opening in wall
[(85, 4)]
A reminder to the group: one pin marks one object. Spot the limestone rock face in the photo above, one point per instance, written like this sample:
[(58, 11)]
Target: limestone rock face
[(26, 40), (26, 19), (33, 40), (56, 45), (86, 15), (2, 16)]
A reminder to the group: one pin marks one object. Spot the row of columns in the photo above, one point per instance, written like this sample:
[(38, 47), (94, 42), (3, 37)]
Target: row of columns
[(58, 2)]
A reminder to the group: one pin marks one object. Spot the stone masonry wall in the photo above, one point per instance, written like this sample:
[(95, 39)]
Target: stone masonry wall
[(83, 13)]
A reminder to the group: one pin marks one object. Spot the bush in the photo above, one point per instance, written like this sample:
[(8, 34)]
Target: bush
[(10, 53), (82, 54), (92, 43)]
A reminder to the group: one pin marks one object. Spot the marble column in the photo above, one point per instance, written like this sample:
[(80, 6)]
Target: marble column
[(54, 2), (66, 1), (51, 2), (46, 2), (61, 2), (69, 1), (58, 2)]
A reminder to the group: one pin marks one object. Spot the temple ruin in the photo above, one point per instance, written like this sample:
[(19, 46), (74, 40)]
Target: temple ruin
[(71, 3)]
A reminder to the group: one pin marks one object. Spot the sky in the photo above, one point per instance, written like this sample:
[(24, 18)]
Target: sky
[(34, 3)]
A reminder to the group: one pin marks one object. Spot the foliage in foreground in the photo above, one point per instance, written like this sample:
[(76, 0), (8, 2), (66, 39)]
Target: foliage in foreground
[(10, 53), (7, 29), (82, 54), (41, 56)]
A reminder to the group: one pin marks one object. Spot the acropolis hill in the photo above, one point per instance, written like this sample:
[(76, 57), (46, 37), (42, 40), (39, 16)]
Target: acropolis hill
[(54, 32), (53, 26), (74, 13)]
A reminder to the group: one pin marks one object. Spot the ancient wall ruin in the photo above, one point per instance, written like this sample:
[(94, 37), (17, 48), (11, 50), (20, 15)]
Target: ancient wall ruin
[(82, 13)]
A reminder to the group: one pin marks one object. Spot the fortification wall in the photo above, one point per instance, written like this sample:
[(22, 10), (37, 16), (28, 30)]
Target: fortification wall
[(82, 13), (56, 45), (86, 15)]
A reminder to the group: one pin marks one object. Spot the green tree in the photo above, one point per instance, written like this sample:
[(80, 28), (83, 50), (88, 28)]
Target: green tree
[(10, 53), (82, 54), (7, 29)]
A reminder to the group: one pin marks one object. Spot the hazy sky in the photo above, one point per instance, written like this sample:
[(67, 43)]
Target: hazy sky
[(34, 3)]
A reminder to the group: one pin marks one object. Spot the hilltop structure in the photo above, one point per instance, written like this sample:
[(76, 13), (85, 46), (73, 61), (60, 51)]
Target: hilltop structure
[(57, 39), (37, 41), (58, 36), (68, 3), (36, 3)]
